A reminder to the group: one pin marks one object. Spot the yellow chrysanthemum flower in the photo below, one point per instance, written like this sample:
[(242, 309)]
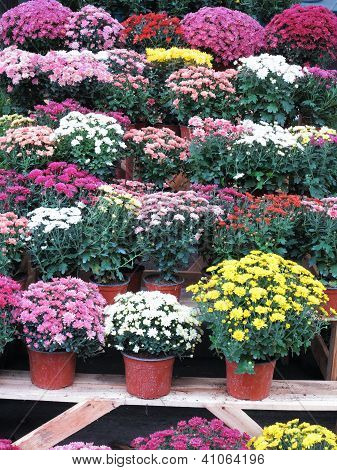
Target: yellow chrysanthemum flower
[(188, 56)]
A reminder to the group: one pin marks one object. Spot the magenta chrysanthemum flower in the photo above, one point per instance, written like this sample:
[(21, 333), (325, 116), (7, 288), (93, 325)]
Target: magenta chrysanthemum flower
[(228, 34)]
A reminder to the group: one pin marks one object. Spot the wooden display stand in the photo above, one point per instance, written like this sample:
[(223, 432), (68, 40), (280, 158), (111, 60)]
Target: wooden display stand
[(96, 395), (326, 357)]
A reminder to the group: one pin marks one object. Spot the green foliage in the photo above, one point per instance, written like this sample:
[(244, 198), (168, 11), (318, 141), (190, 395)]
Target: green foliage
[(320, 241), (314, 171), (108, 240), (252, 167), (317, 101), (7, 331), (271, 100)]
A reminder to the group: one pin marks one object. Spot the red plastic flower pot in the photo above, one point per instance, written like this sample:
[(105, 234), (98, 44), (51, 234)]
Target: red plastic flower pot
[(153, 284), (52, 371), (110, 291), (332, 302), (148, 378), (254, 387), (186, 132)]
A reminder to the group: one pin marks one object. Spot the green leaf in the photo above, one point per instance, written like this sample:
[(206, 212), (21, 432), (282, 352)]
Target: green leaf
[(245, 366)]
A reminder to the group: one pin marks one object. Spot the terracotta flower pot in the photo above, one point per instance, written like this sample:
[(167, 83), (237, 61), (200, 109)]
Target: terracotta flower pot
[(250, 387), (136, 277), (186, 132), (52, 371), (110, 291), (153, 284), (174, 128), (332, 302), (148, 378), (129, 165)]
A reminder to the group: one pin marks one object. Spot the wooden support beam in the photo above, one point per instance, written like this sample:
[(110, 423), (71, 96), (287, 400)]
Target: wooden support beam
[(235, 418), (331, 373), (66, 424), (321, 353)]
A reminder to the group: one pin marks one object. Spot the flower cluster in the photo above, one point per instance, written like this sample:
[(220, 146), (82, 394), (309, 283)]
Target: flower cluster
[(17, 66), (132, 187), (171, 226), (81, 446), (260, 307), (152, 323), (93, 141), (52, 112), (303, 34), (13, 231), (203, 128), (13, 191), (9, 300), (8, 121), (267, 86), (46, 219), (109, 194), (267, 223), (151, 30), (194, 434), (314, 136), (72, 68), (61, 181), (263, 133), (266, 66), (294, 436), (186, 57), (123, 61), (322, 73), (159, 153), (55, 240), (24, 148), (228, 34), (201, 91), (36, 24), (65, 314), (6, 444), (92, 28)]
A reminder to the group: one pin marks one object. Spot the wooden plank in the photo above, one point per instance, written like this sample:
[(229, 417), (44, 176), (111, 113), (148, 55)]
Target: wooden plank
[(186, 392), (321, 353), (235, 418), (66, 424), (331, 373)]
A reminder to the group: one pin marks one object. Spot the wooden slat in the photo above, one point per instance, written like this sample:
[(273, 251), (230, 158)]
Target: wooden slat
[(331, 373), (235, 418), (66, 424), (186, 392), (321, 353)]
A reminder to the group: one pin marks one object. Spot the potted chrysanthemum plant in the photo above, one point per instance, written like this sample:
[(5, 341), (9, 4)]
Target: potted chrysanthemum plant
[(259, 309), (151, 329), (9, 300), (170, 228), (320, 229), (59, 320), (108, 240)]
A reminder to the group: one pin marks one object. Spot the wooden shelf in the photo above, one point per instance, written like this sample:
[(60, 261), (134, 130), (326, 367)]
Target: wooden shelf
[(186, 392), (95, 395)]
